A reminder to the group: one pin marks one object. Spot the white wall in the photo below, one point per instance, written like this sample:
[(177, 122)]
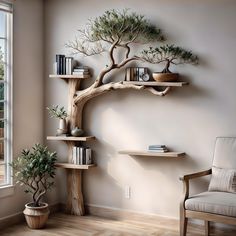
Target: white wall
[(28, 88), (187, 119)]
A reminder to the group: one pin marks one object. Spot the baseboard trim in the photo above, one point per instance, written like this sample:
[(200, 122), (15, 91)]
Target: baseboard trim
[(121, 214), (19, 217)]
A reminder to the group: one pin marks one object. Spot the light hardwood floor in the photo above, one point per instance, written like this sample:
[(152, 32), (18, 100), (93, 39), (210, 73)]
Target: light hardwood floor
[(67, 225)]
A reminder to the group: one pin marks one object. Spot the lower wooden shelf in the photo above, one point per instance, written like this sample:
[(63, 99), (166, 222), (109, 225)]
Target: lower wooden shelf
[(153, 154), (74, 166)]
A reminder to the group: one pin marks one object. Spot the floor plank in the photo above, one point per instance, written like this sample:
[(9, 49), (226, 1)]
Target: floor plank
[(68, 225)]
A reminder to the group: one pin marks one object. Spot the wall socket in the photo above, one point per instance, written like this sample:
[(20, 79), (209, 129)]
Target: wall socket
[(127, 192)]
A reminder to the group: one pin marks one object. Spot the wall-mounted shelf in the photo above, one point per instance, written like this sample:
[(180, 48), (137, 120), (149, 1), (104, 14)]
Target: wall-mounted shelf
[(70, 76), (70, 138), (154, 83), (151, 154), (73, 166)]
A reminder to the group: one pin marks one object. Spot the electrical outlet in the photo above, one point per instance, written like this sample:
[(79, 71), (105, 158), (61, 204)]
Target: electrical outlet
[(127, 191)]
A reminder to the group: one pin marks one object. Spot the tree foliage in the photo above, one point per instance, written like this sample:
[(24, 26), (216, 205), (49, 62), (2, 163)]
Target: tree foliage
[(121, 27), (169, 54), (35, 169)]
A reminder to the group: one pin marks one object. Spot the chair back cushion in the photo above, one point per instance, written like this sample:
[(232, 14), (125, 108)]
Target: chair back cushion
[(225, 153), (223, 180)]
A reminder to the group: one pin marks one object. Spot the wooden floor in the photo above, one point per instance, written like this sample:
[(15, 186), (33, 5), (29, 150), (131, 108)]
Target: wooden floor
[(67, 225)]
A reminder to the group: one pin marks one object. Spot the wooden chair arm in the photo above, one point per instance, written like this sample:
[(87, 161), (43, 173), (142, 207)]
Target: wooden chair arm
[(195, 175), (186, 179)]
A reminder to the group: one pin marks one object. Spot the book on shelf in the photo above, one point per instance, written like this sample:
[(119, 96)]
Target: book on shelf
[(82, 156), (157, 148), (135, 73), (64, 65), (81, 70)]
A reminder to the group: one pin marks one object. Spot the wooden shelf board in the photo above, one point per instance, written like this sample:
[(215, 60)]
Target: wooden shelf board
[(154, 154), (73, 166), (154, 83), (69, 76), (70, 138)]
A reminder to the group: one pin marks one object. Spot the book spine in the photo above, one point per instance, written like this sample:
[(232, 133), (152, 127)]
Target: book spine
[(70, 65), (74, 155), (127, 77), (58, 63), (63, 65), (88, 156), (81, 156), (77, 155)]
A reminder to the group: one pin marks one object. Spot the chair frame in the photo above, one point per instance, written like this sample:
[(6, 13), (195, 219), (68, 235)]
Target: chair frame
[(207, 217)]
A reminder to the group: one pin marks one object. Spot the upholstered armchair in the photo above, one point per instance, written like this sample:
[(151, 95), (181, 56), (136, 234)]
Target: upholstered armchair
[(218, 204)]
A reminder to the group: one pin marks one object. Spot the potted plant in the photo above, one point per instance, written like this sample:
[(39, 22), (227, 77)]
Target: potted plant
[(168, 54), (61, 114), (35, 169)]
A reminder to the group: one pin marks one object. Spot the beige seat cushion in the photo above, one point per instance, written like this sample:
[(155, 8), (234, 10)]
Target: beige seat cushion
[(221, 203)]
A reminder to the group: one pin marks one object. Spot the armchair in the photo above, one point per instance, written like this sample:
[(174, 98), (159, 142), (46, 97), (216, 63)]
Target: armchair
[(216, 206)]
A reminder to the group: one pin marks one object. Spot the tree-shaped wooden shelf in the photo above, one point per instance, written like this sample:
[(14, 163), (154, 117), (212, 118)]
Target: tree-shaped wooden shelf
[(156, 84), (152, 154), (69, 76), (112, 36), (71, 138), (74, 166)]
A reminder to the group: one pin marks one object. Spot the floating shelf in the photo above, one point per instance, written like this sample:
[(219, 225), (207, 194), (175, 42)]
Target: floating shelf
[(152, 154), (69, 76), (154, 83), (74, 166), (70, 138)]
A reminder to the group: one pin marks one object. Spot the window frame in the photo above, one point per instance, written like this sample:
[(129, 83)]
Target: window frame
[(8, 94)]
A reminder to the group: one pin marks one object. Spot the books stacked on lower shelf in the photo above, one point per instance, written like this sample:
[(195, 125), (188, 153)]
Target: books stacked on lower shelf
[(82, 156), (81, 70), (157, 148)]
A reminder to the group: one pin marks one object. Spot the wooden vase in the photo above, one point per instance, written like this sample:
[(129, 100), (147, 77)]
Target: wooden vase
[(165, 77), (36, 217)]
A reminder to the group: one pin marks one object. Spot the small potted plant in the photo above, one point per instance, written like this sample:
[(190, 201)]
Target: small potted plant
[(61, 114), (168, 54), (35, 169)]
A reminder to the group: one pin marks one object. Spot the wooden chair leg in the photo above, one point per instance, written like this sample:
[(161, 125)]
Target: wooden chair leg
[(183, 223), (207, 228)]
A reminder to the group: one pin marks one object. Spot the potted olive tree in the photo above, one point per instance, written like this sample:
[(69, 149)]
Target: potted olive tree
[(168, 55), (61, 114), (35, 169)]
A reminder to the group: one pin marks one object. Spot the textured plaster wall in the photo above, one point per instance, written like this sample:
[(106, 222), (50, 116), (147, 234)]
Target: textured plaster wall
[(187, 119)]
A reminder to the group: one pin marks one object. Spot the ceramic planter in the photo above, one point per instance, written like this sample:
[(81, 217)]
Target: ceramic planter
[(62, 127), (36, 217)]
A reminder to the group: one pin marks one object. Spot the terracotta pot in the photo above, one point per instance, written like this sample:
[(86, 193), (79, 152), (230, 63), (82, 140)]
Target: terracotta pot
[(36, 217), (165, 77)]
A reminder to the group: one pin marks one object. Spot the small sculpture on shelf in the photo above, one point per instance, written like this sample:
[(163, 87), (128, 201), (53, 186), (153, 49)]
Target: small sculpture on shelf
[(77, 132), (60, 113)]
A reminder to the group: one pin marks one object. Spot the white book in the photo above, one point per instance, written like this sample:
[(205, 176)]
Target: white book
[(74, 155), (88, 159), (78, 155)]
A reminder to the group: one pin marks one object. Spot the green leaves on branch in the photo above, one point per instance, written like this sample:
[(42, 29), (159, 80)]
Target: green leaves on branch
[(113, 26), (57, 112), (125, 26), (35, 169), (168, 54)]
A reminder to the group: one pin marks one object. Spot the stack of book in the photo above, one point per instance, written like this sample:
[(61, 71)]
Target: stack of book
[(82, 156), (135, 73), (63, 65), (81, 70), (157, 148)]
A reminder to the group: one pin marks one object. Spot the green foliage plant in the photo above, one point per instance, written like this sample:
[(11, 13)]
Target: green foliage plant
[(35, 169), (57, 112), (169, 54)]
